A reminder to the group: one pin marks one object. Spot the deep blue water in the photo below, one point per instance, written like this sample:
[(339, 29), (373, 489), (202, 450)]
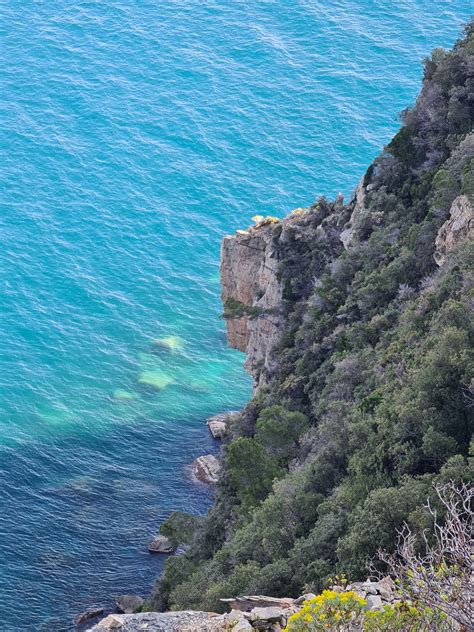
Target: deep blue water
[(133, 136)]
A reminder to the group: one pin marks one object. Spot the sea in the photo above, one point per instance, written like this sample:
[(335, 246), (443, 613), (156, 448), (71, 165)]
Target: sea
[(134, 135)]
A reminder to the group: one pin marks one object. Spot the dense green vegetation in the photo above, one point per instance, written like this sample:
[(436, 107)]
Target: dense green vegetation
[(373, 399)]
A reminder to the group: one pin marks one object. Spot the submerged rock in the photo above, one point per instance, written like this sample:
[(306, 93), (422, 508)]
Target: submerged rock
[(206, 469), (124, 396), (170, 343), (161, 544), (156, 379), (129, 603)]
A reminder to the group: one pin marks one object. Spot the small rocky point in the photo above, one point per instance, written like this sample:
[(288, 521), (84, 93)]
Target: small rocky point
[(206, 469), (253, 612), (217, 423), (161, 544)]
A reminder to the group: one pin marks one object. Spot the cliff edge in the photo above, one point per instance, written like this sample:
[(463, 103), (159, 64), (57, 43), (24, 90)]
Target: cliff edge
[(252, 294)]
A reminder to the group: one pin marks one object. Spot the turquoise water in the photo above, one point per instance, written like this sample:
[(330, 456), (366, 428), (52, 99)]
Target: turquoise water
[(134, 136)]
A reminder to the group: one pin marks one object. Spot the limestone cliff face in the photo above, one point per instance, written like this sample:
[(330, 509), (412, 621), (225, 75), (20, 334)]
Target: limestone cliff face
[(252, 295), (457, 228), (347, 234)]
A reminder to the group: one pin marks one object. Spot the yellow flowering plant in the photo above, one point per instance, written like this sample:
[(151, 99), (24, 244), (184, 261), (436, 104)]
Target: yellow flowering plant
[(330, 610), (403, 617)]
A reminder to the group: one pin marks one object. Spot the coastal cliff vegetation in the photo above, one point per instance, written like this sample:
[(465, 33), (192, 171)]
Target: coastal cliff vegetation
[(368, 402)]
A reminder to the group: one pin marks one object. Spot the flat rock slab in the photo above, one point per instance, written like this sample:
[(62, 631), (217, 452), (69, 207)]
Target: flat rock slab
[(206, 469), (161, 544), (270, 613), (250, 602), (186, 621)]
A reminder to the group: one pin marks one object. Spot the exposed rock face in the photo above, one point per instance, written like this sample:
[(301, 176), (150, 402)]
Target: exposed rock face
[(347, 234), (217, 423), (161, 544), (206, 468), (252, 290), (456, 229)]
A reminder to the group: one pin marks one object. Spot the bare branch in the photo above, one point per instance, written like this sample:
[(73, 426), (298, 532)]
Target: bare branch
[(442, 576)]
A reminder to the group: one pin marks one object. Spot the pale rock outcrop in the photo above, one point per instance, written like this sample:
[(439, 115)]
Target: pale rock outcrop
[(161, 544), (217, 423), (206, 468), (252, 294), (347, 233), (456, 229), (376, 593), (185, 621)]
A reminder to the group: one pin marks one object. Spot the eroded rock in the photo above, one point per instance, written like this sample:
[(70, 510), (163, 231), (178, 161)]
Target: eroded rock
[(184, 621), (252, 295), (161, 544), (206, 469), (217, 423), (455, 230)]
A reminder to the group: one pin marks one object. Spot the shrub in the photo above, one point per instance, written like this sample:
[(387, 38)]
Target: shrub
[(405, 617), (330, 610)]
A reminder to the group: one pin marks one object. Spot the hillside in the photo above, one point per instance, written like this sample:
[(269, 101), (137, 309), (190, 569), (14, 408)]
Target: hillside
[(358, 323)]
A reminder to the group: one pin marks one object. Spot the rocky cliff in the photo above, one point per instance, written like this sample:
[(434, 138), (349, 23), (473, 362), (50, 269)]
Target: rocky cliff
[(256, 287), (252, 294)]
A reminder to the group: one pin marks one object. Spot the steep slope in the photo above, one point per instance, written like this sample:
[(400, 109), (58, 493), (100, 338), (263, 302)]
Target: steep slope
[(358, 324)]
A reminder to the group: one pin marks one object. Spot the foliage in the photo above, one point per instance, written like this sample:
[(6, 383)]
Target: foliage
[(330, 610), (180, 527), (371, 401), (235, 309), (251, 470), (405, 617), (346, 611)]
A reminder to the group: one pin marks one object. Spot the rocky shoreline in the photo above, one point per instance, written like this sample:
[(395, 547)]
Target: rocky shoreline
[(204, 469)]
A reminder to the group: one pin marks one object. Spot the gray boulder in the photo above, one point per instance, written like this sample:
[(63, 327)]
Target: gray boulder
[(161, 544), (206, 469), (217, 423)]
